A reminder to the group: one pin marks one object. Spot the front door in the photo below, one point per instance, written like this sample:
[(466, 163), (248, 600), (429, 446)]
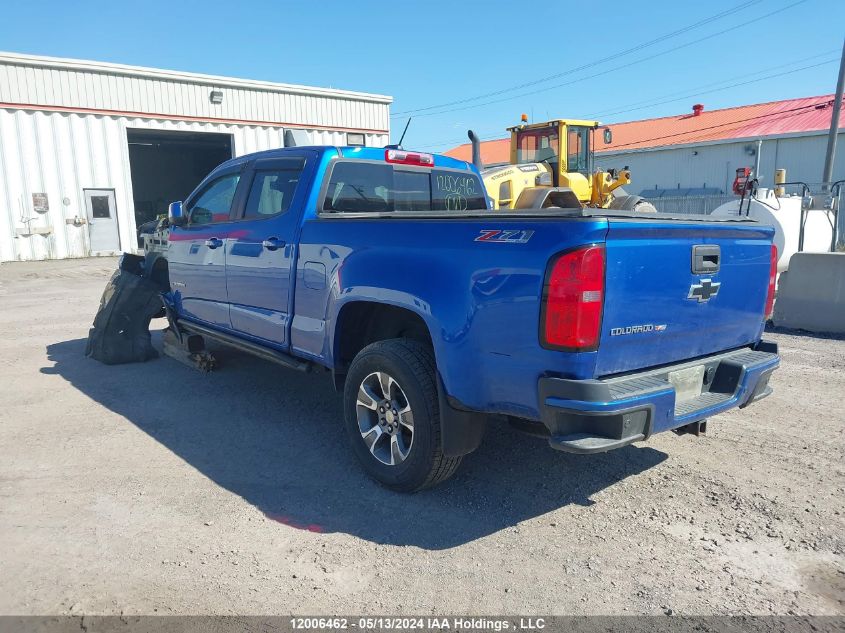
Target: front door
[(102, 220), (197, 252), (261, 254)]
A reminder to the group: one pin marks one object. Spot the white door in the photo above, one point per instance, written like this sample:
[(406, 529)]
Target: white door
[(102, 220)]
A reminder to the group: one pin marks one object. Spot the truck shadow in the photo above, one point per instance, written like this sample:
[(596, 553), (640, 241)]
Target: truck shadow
[(274, 437)]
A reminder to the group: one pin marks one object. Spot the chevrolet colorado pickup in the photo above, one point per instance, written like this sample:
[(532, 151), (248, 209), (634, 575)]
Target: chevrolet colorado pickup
[(592, 327)]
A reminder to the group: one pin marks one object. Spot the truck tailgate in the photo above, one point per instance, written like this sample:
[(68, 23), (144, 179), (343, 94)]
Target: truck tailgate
[(658, 310)]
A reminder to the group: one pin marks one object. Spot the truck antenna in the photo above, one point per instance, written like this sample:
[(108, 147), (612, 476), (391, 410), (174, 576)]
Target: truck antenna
[(401, 138)]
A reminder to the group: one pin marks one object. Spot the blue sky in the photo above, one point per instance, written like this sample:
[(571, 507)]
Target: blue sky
[(427, 53)]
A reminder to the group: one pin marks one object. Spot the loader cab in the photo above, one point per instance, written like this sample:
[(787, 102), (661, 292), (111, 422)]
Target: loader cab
[(563, 146)]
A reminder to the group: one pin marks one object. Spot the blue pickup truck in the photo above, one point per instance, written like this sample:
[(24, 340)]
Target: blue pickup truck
[(593, 328)]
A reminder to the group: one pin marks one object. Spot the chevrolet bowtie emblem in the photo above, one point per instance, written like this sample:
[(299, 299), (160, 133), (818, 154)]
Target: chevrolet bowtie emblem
[(702, 291)]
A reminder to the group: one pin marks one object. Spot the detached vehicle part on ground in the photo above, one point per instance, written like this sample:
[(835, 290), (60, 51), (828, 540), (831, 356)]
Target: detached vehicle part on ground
[(435, 314)]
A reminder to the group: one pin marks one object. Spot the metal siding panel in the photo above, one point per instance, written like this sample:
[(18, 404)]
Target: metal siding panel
[(116, 90), (297, 108), (137, 105), (89, 94), (69, 183), (48, 176), (9, 187), (249, 107), (7, 89), (50, 77), (80, 159), (173, 93), (64, 96), (23, 93), (189, 100), (263, 104), (99, 82), (30, 181), (206, 107), (32, 85), (166, 97), (287, 108), (153, 95), (117, 166), (77, 86)]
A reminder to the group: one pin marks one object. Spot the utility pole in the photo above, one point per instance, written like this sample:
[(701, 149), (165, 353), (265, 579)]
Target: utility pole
[(827, 176)]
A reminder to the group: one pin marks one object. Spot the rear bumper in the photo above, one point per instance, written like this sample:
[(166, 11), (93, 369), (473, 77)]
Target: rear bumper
[(591, 416)]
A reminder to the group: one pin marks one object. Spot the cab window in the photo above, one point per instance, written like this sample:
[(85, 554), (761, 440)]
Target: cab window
[(271, 193), (578, 149), (215, 201), (536, 146), (370, 187), (360, 188), (456, 191)]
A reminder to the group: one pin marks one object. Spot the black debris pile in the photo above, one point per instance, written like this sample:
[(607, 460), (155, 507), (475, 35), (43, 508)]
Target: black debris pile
[(121, 332)]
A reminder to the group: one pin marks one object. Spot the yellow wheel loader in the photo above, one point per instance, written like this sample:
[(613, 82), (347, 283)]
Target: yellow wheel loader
[(551, 165)]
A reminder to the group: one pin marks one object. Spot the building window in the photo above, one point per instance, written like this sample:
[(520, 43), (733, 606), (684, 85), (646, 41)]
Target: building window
[(355, 139)]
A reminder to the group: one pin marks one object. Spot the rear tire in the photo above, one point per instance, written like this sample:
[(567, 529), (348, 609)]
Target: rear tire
[(392, 415)]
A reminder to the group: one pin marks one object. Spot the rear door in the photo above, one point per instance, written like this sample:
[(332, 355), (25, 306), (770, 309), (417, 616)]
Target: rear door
[(197, 252), (678, 290), (262, 246)]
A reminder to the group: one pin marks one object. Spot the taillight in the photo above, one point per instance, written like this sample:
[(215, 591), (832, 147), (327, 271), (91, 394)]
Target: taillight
[(773, 275), (573, 300), (402, 157)]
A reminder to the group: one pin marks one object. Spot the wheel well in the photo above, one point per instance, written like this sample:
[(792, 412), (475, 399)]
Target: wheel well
[(160, 273), (364, 322)]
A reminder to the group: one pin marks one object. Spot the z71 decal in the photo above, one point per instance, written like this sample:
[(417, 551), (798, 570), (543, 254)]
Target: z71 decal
[(506, 237)]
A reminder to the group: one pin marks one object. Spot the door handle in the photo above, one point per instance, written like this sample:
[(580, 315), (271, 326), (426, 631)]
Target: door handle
[(273, 243), (706, 259), (214, 242)]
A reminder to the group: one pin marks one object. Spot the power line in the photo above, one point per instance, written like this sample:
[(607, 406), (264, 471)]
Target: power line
[(736, 85), (782, 113), (614, 69), (597, 62), (687, 95), (699, 90)]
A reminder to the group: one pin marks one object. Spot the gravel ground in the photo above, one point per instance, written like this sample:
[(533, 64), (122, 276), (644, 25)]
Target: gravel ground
[(151, 488)]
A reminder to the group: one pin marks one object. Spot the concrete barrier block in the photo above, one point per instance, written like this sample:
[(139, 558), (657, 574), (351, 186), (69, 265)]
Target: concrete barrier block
[(811, 294)]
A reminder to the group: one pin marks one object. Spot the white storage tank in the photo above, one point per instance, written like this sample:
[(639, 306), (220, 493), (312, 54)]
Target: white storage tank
[(784, 214)]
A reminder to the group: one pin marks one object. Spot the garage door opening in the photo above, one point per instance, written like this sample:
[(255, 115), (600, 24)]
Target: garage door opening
[(166, 166)]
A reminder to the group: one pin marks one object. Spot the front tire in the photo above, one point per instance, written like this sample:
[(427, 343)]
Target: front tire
[(392, 415)]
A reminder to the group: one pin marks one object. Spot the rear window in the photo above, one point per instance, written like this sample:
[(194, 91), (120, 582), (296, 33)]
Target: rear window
[(369, 187)]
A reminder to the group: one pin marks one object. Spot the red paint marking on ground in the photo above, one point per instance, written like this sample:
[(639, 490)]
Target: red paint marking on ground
[(286, 520)]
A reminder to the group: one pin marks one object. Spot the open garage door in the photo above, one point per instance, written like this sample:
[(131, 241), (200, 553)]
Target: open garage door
[(166, 166)]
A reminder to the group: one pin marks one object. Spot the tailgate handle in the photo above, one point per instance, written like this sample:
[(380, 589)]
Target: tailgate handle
[(705, 259)]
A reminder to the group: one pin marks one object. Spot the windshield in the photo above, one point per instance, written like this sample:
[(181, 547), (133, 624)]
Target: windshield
[(536, 146)]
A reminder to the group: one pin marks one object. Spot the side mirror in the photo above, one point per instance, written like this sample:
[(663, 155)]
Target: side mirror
[(175, 215), (607, 135)]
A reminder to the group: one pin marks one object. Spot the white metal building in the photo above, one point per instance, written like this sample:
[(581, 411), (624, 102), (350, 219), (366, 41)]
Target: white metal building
[(90, 150), (691, 167)]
